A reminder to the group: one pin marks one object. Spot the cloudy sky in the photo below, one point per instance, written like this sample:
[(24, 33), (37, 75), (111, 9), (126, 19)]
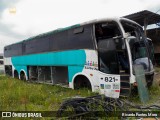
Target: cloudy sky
[(20, 19)]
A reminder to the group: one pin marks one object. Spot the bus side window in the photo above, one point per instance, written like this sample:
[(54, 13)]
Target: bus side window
[(78, 30), (108, 56)]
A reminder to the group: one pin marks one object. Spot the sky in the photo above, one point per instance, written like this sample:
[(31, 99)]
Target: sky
[(21, 19)]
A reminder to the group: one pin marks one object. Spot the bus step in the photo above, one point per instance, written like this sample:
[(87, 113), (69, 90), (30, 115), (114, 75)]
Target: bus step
[(125, 92), (125, 81), (125, 84), (124, 77), (125, 88), (123, 96)]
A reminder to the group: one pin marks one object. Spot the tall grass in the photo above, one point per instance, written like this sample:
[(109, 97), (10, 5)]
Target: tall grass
[(154, 96), (17, 95)]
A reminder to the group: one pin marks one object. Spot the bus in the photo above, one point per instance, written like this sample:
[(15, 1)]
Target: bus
[(99, 55)]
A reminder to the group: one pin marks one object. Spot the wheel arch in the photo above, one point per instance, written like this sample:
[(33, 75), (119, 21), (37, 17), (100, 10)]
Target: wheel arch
[(82, 75), (23, 71)]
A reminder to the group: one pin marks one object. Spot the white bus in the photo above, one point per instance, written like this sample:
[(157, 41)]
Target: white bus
[(98, 54)]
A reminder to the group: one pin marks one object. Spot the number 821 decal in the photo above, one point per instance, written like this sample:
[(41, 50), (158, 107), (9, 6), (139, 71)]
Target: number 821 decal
[(110, 79)]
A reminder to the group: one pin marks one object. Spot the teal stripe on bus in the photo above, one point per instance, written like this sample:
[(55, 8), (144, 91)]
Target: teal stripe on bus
[(73, 59)]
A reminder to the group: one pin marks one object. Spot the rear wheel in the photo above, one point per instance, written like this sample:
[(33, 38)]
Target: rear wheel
[(22, 76)]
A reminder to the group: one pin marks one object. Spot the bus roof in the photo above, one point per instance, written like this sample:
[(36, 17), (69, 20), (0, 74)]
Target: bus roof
[(75, 26)]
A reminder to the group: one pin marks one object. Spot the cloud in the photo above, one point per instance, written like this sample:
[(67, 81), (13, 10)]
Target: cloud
[(5, 28), (6, 4), (155, 8), (6, 40), (33, 17), (6, 34)]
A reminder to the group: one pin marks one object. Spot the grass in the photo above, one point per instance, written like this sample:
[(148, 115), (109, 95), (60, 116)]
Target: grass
[(17, 95), (157, 69), (153, 91), (154, 97)]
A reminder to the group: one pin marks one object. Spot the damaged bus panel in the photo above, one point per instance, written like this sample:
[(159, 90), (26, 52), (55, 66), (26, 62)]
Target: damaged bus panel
[(99, 55)]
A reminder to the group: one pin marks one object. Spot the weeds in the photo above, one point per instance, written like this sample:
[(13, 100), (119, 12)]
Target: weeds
[(17, 95)]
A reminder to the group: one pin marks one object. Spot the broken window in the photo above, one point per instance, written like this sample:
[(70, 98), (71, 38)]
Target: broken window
[(138, 44), (107, 56), (112, 52)]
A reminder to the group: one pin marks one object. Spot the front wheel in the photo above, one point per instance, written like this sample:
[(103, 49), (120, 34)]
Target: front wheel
[(82, 82)]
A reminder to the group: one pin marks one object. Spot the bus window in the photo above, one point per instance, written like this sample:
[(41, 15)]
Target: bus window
[(138, 45), (139, 51), (108, 57), (112, 51), (106, 30)]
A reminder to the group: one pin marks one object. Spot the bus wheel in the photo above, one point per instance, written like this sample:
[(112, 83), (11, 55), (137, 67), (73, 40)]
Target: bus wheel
[(82, 82), (22, 76), (16, 74)]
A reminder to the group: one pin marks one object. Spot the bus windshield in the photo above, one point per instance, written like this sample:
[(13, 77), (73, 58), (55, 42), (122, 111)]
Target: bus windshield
[(138, 48), (137, 43)]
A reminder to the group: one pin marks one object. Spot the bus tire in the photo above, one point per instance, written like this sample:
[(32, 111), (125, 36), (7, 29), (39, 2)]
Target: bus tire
[(82, 82), (22, 76)]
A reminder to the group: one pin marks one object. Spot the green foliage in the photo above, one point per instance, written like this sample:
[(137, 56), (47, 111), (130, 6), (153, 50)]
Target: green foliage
[(154, 96), (17, 95), (157, 69)]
